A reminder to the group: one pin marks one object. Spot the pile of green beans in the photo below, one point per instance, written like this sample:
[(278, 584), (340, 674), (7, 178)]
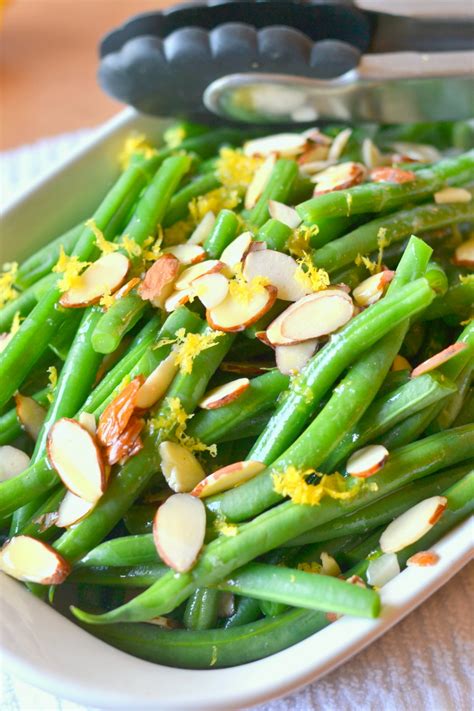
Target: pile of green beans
[(250, 592)]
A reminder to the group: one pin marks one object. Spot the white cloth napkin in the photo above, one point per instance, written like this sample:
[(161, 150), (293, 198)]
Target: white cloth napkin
[(424, 664)]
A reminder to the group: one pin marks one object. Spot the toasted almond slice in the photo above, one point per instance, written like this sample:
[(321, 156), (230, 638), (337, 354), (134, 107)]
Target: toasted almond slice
[(262, 336), (224, 394), (257, 246), (339, 144), (227, 478), (284, 213), (259, 182), (28, 559), (367, 461), (209, 266), (30, 414), (316, 166), (127, 444), (159, 280), (106, 274), (413, 524), (203, 230), (127, 288), (72, 509), (177, 298), (157, 383), (187, 253), (87, 420), (371, 154), (232, 315), (179, 528), (314, 135), (180, 467), (330, 565), (383, 569), (75, 456), (392, 175), (241, 368), (438, 359), (292, 359), (418, 152), (237, 249), (282, 144), (280, 269), (339, 177), (117, 414), (356, 580), (423, 559), (371, 289), (315, 315), (452, 195), (464, 254), (211, 289), (315, 153), (400, 363), (12, 462)]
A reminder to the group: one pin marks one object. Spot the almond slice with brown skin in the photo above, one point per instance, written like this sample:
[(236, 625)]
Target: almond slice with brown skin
[(311, 169), (72, 509), (211, 289), (33, 561), (292, 359), (187, 253), (127, 444), (76, 458), (314, 154), (259, 182), (367, 461), (227, 478), (224, 394), (284, 213), (315, 315), (180, 467), (209, 266), (87, 420), (127, 288), (392, 175), (282, 144), (233, 315), (339, 144), (413, 524), (447, 196), (280, 269), (423, 559), (177, 298), (105, 275), (383, 569), (179, 528), (372, 289), (30, 414), (371, 154), (236, 251), (203, 230), (12, 462), (159, 280), (438, 359), (157, 383), (315, 135), (117, 414), (464, 254), (339, 177)]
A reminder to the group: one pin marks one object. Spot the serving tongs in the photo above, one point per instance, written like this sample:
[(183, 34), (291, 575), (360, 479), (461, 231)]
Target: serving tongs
[(290, 61)]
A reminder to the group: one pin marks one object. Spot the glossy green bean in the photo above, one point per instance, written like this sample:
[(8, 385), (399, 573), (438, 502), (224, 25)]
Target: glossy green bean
[(458, 300), (138, 576), (275, 234), (124, 551), (202, 609), (116, 322), (248, 610), (41, 262), (179, 205), (278, 188), (223, 232)]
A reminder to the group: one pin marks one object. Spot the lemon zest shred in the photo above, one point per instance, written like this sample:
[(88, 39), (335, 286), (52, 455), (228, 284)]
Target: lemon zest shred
[(213, 201), (71, 269), (151, 255), (178, 233), (174, 423), (244, 291), (53, 381), (103, 244), (466, 278), (130, 246), (226, 529), (292, 482), (299, 242), (311, 567), (16, 323), (213, 656), (309, 276), (235, 170), (174, 136), (382, 242), (107, 298), (363, 261), (7, 280), (135, 143), (190, 345)]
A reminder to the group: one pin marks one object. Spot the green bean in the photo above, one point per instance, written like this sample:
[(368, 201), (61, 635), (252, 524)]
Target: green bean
[(179, 205), (331, 228), (378, 197), (272, 609), (437, 278), (278, 188), (125, 551), (288, 520), (463, 135), (138, 576), (22, 305), (62, 340), (116, 322), (395, 379), (452, 406), (139, 519), (458, 300), (249, 429), (466, 413), (42, 261), (275, 234), (202, 610), (10, 427), (248, 610), (35, 526), (224, 231)]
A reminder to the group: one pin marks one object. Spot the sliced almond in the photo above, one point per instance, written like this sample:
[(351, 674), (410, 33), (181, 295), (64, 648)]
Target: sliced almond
[(452, 195), (177, 298), (159, 280), (371, 289), (237, 249), (339, 177), (284, 213), (282, 144), (383, 569), (392, 175), (280, 269), (257, 246), (224, 394), (117, 414), (127, 444), (211, 289), (30, 414), (316, 166), (330, 565), (157, 383), (413, 524), (262, 336), (87, 420), (227, 478), (418, 152), (12, 462), (438, 359), (423, 559), (72, 509), (371, 154), (203, 230), (179, 528), (339, 144), (187, 253), (314, 154), (28, 559), (313, 316), (209, 266), (292, 359), (75, 456), (367, 461), (232, 315), (105, 275), (464, 254), (180, 467), (259, 182)]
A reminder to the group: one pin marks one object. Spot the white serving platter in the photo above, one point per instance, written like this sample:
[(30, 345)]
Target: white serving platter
[(47, 650)]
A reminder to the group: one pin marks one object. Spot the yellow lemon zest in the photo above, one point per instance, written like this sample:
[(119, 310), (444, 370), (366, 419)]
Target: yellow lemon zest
[(135, 143), (190, 345), (382, 242), (107, 298), (175, 423), (7, 280), (103, 244), (213, 656), (309, 276), (312, 567), (299, 242), (235, 170), (53, 381), (16, 322), (349, 203), (174, 136), (70, 268), (226, 529), (178, 233), (151, 255), (466, 278), (363, 260), (213, 201), (244, 291), (292, 482), (130, 246)]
